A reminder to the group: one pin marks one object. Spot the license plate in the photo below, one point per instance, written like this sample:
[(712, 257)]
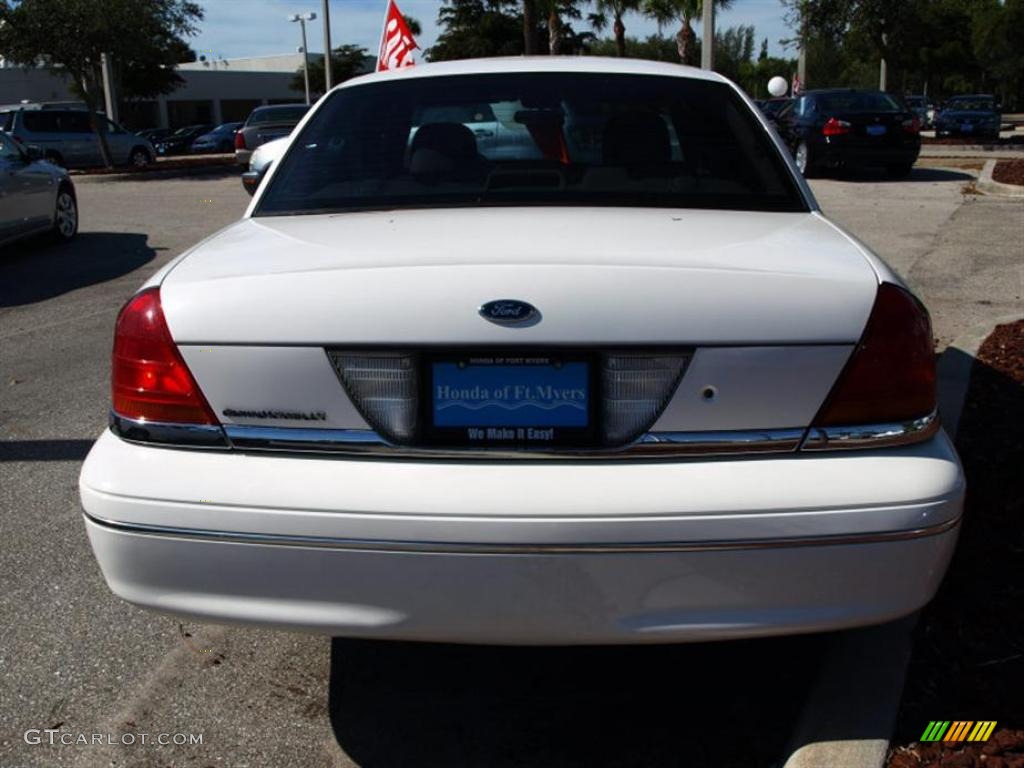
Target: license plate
[(510, 400), (966, 127), (876, 130)]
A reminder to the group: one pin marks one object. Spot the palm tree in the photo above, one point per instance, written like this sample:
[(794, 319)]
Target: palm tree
[(616, 9), (685, 11)]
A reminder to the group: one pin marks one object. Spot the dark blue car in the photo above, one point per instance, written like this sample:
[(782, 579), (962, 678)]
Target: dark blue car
[(971, 115), (846, 128)]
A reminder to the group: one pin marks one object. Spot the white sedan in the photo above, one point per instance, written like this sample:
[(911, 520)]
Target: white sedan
[(636, 388)]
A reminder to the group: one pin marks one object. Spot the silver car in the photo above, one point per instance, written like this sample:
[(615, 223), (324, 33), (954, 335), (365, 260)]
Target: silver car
[(67, 139), (35, 195)]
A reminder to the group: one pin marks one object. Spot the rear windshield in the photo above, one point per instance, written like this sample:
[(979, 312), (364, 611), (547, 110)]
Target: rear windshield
[(277, 115), (858, 101), (972, 105), (532, 139)]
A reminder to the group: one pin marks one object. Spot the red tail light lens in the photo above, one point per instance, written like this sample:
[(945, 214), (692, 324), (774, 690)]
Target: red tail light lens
[(835, 127), (913, 125), (149, 379), (239, 140), (891, 375)]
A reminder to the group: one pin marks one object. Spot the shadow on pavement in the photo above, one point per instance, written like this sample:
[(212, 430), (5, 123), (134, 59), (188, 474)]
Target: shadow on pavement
[(44, 450), (34, 270), (916, 174), (968, 660), (709, 705)]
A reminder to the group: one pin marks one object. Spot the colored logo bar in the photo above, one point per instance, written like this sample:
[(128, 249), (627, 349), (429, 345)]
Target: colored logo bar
[(958, 730)]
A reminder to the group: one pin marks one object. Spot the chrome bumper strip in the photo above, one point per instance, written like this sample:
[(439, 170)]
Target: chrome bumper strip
[(520, 549), (871, 435), (652, 445), (159, 433)]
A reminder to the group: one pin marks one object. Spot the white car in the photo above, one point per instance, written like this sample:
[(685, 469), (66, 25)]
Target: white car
[(639, 390)]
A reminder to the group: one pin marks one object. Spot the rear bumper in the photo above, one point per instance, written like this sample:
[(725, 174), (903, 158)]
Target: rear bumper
[(243, 156), (528, 553), (855, 154)]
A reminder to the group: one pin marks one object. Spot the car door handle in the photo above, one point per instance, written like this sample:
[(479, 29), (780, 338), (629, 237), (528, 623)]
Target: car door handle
[(481, 133)]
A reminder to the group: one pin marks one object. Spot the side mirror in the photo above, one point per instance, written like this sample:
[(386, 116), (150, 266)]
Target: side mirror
[(33, 152), (251, 180)]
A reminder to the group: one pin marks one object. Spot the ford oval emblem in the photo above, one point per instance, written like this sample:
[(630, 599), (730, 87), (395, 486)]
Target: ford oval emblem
[(510, 312)]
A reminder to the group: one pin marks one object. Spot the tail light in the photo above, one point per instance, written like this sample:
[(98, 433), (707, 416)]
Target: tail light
[(913, 125), (239, 140), (149, 380), (890, 377), (835, 127)]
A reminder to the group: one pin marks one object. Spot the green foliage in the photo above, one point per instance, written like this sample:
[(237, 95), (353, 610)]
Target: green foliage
[(943, 47), (145, 39), (475, 28), (347, 61)]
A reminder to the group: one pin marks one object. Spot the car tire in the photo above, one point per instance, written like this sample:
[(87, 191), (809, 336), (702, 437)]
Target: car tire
[(899, 170), (139, 157), (65, 215), (804, 159)]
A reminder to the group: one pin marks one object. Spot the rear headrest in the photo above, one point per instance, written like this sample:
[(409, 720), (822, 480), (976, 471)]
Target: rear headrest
[(451, 139), (636, 138)]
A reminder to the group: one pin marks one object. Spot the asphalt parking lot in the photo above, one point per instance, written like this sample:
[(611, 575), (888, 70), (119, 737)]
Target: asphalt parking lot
[(76, 659)]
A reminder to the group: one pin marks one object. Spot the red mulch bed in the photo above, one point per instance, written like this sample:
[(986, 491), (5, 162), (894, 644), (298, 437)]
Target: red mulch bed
[(968, 660), (1009, 172)]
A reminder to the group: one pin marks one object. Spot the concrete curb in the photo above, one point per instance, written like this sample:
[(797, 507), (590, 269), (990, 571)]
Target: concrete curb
[(989, 185), (850, 713), (170, 173), (973, 151)]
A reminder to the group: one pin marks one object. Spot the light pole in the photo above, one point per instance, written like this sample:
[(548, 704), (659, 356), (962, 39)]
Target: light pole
[(707, 48), (326, 12), (302, 18)]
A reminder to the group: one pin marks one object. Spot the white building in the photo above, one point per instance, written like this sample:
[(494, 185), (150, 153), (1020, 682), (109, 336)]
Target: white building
[(218, 91)]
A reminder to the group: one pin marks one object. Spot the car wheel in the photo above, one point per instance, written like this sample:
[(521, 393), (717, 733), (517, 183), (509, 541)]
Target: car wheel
[(65, 217), (140, 158), (899, 170), (802, 156), (54, 157)]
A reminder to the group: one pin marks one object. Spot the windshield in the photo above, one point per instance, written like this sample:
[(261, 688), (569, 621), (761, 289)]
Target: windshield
[(971, 105), (532, 139), (277, 115), (858, 101)]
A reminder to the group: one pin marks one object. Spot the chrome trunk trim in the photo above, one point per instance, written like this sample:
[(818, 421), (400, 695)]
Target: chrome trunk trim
[(650, 445), (159, 433), (871, 435), (487, 548)]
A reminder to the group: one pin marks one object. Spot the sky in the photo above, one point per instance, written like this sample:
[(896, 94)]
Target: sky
[(236, 28)]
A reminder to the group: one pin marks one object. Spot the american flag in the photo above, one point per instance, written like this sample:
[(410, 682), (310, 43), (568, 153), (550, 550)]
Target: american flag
[(397, 43)]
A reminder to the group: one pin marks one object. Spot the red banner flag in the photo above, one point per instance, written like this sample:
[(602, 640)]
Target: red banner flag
[(397, 43)]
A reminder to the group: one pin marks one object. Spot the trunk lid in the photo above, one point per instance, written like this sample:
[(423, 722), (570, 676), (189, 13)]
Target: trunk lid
[(610, 276)]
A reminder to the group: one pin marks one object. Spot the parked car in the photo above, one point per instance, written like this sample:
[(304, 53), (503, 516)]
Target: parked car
[(262, 159), (923, 108), (266, 124), (974, 115), (66, 138), (846, 128), (155, 134), (642, 390), (179, 142), (220, 139), (35, 195), (770, 108)]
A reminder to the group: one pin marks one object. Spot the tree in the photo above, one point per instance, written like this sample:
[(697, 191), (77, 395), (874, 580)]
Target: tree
[(474, 28), (685, 11), (616, 9), (556, 12), (145, 39), (347, 61)]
